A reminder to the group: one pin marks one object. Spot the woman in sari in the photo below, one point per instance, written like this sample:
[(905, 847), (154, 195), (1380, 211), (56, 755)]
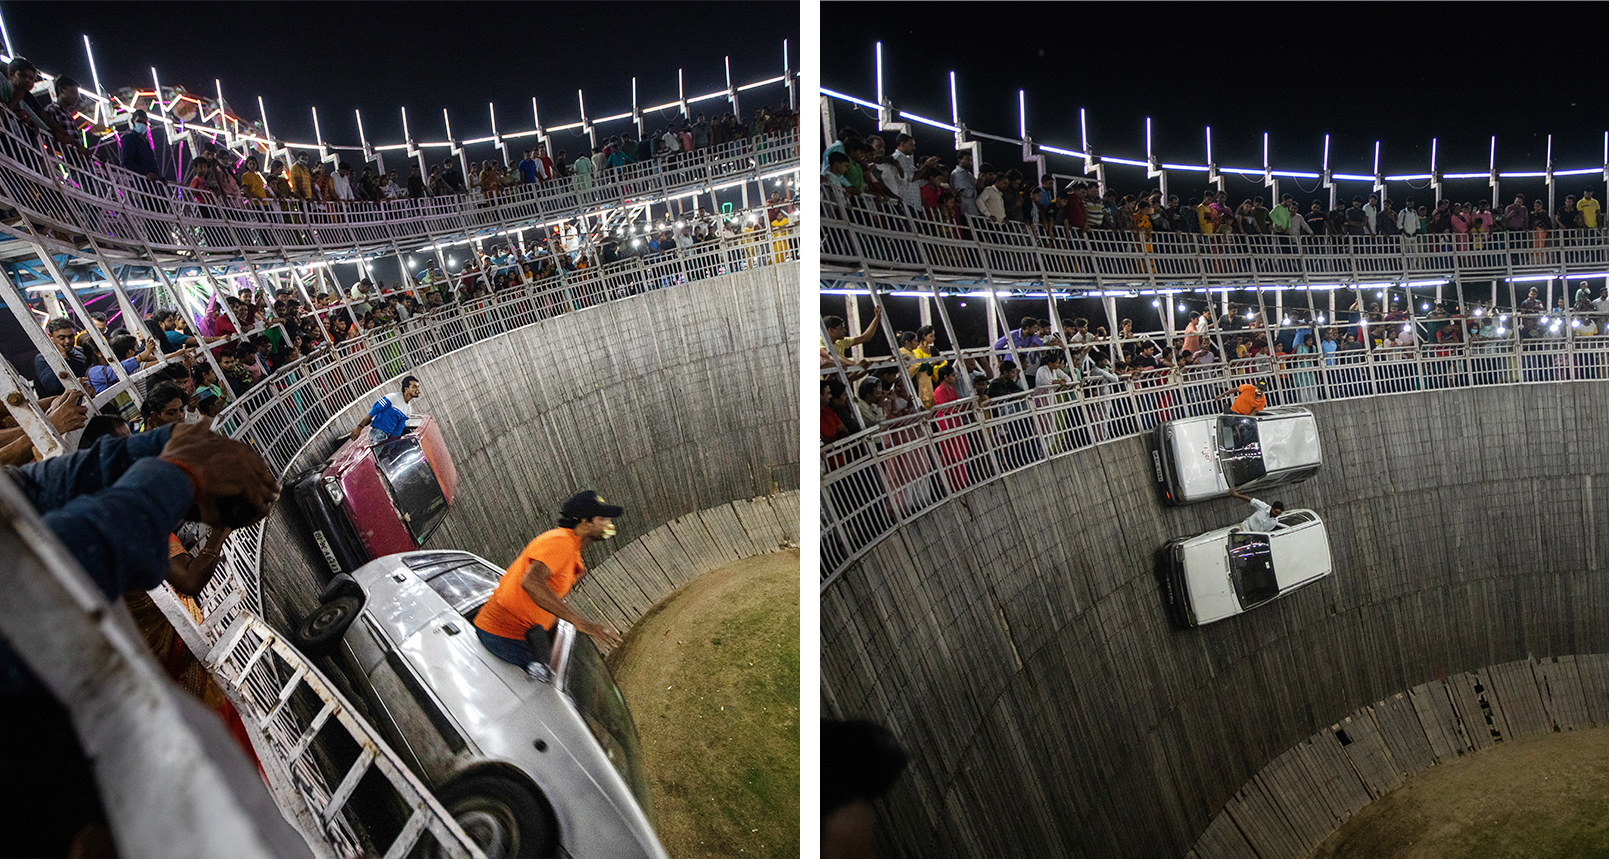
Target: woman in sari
[(952, 451)]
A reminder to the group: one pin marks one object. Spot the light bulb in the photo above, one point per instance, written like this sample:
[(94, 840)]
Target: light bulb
[(1380, 294), (1250, 316), (1479, 311), (1286, 321), (1321, 317), (1181, 307), (1425, 306), (1156, 303), (1407, 328), (963, 304), (1501, 330), (1503, 318)]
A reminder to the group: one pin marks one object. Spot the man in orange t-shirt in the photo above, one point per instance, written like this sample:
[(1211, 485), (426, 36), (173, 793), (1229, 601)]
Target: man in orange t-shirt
[(1248, 401), (531, 593)]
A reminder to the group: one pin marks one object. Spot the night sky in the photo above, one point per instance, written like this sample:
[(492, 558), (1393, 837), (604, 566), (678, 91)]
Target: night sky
[(1401, 73), (379, 56)]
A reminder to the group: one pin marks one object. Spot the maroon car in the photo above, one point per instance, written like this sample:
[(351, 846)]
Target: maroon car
[(370, 501)]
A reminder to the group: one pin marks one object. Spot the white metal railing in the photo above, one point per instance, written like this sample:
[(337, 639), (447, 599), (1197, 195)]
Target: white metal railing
[(286, 705), (132, 217), (882, 478), (862, 235)]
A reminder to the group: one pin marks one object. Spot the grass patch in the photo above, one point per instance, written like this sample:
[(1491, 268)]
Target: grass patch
[(1539, 797), (712, 677)]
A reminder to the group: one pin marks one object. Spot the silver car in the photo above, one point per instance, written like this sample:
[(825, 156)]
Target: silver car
[(527, 766), (1222, 573), (1204, 457)]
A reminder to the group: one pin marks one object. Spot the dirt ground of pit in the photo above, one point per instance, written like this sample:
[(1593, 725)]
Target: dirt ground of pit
[(1538, 797), (712, 678)]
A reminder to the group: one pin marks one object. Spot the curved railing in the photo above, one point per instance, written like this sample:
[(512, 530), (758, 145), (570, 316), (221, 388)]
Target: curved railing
[(861, 235), (887, 476), (132, 217)]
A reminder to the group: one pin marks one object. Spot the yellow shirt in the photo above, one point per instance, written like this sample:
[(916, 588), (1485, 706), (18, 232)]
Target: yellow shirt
[(252, 184), (1588, 207)]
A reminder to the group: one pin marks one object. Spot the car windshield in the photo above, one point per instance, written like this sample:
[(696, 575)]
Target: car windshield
[(1251, 567), (413, 485), (603, 708), (465, 584), (1240, 454)]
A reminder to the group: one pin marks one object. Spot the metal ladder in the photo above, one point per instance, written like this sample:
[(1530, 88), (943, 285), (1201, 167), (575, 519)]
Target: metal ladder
[(287, 704)]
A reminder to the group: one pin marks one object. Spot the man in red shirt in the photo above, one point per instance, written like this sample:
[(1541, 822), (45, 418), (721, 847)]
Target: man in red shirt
[(531, 593)]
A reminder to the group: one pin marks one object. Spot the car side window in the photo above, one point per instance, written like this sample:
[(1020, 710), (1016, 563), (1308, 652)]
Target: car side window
[(463, 586)]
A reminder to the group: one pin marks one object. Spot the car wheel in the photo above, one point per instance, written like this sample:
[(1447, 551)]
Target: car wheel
[(320, 630), (504, 817)]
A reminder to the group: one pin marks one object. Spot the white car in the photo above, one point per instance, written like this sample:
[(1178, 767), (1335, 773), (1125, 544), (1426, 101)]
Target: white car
[(529, 764), (1223, 573), (1197, 459)]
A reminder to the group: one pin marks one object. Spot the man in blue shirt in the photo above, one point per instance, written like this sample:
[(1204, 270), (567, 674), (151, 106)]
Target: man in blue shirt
[(528, 168), (61, 332), (139, 147), (388, 418)]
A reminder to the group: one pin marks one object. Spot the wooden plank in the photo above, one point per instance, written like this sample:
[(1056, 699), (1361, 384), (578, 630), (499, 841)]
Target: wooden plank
[(1360, 739), (1261, 822), (1560, 685), (1471, 714), (1593, 669), (1519, 699), (1222, 839), (1443, 731), (1403, 734), (1332, 772)]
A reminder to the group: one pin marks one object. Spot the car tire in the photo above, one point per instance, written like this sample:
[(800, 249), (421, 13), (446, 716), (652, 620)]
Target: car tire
[(318, 633), (504, 816)]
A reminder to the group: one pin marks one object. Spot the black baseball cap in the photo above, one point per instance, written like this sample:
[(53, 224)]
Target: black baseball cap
[(586, 504)]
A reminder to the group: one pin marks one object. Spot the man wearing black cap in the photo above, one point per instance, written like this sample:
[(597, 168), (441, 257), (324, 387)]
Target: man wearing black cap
[(531, 593)]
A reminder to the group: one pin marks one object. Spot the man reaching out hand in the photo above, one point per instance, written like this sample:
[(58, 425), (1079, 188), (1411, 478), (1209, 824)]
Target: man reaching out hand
[(531, 593)]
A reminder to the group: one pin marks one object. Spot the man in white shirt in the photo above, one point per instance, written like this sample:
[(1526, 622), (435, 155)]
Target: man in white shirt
[(1264, 517), (1408, 219), (341, 183), (910, 191), (963, 183)]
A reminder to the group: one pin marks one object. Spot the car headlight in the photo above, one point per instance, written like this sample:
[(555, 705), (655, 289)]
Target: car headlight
[(333, 488)]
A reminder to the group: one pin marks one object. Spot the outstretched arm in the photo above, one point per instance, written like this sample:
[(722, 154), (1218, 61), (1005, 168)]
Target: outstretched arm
[(535, 585)]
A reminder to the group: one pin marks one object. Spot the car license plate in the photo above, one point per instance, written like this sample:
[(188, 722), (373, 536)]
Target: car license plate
[(1156, 461)]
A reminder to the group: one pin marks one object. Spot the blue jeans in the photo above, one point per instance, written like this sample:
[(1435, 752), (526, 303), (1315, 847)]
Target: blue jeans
[(514, 651)]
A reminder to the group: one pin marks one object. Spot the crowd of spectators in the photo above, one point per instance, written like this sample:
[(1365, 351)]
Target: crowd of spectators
[(1078, 360), (228, 177), (253, 333), (886, 171)]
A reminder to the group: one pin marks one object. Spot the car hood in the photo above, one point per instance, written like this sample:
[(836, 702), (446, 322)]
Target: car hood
[(1195, 459), (1289, 443), (1206, 574)]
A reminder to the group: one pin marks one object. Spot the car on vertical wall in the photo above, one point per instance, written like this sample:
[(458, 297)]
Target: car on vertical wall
[(367, 501), (530, 762), (1200, 458), (1222, 573)]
